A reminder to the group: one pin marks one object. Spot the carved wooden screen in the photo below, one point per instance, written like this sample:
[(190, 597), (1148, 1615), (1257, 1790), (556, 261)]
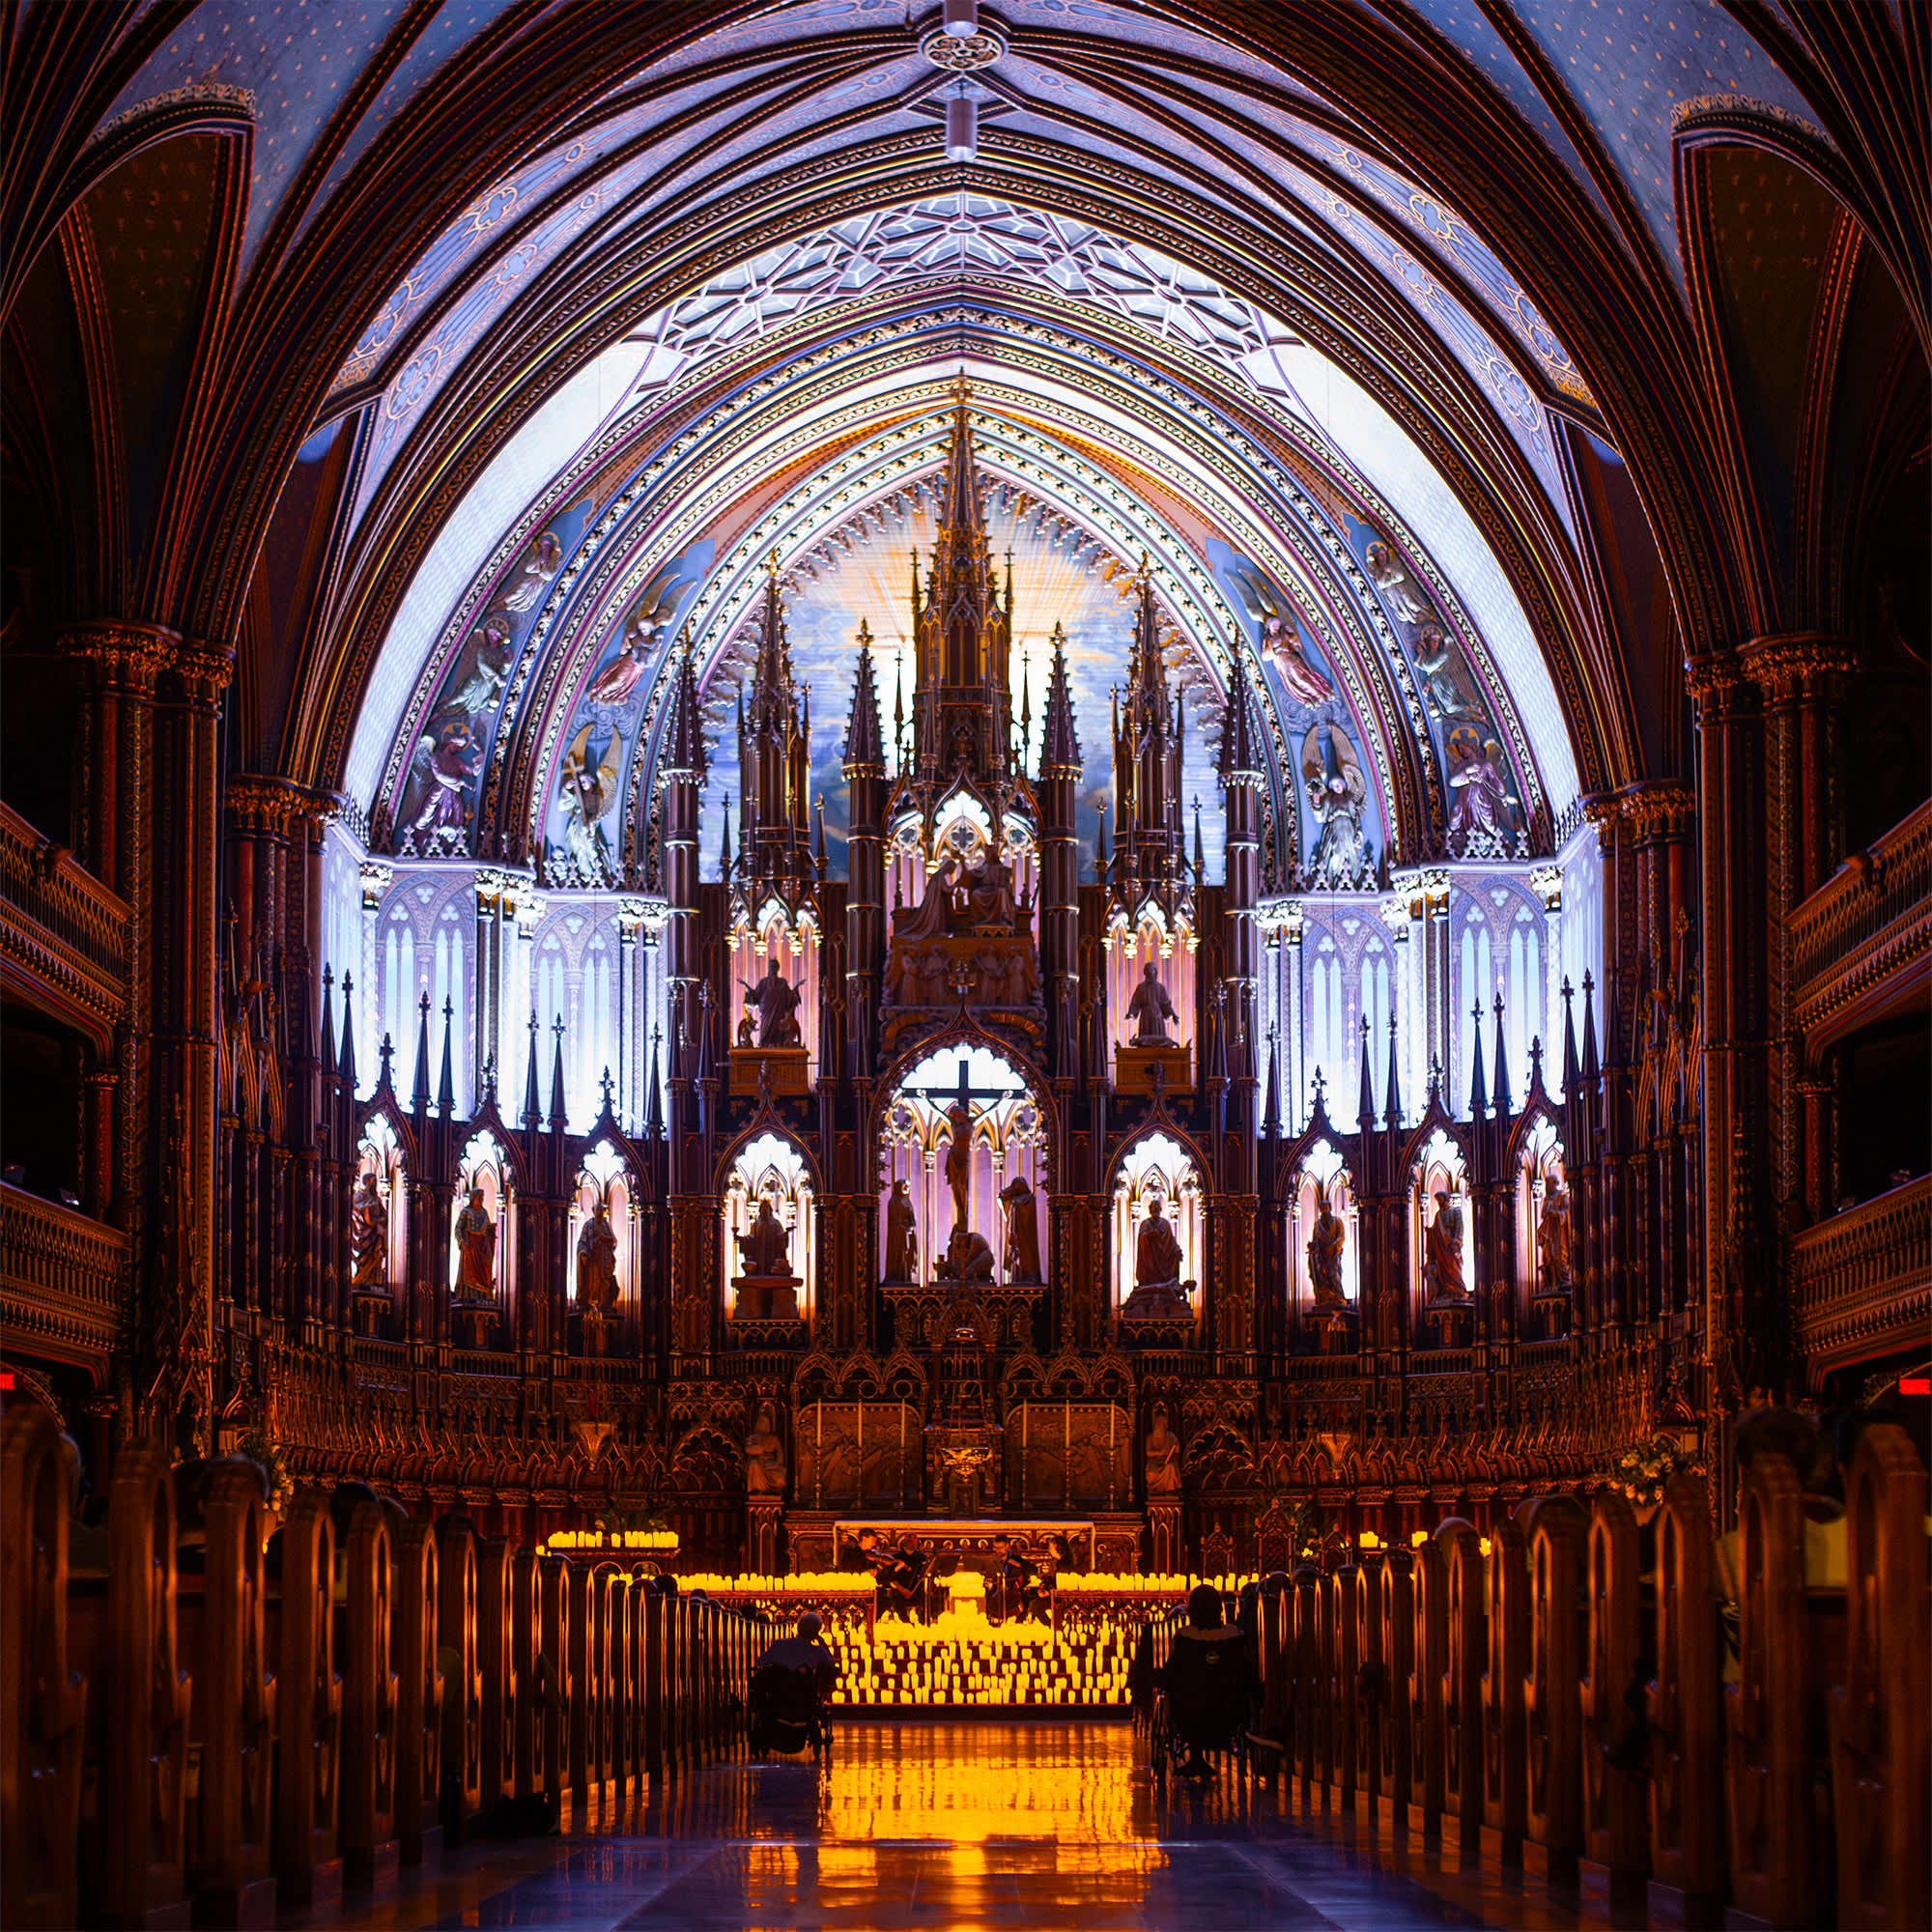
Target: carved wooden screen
[(1069, 1455), (857, 1454)]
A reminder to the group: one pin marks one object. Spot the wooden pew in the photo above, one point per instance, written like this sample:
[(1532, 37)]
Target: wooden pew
[(233, 1712), (581, 1587), (1277, 1714), (498, 1660), (1428, 1651), (459, 1655), (1462, 1657), (1878, 1714), (1306, 1675), (1614, 1804), (1505, 1796), (1344, 1677), (308, 1744), (420, 1689), (623, 1598), (1369, 1687), (1686, 1833), (648, 1634), (136, 1857), (42, 1702), (1557, 1533), (1395, 1591)]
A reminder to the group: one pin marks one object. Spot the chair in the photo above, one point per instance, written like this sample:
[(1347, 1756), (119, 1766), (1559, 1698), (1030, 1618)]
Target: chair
[(787, 1713)]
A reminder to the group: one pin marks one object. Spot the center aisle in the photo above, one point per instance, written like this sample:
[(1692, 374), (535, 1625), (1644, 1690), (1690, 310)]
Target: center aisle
[(941, 1824)]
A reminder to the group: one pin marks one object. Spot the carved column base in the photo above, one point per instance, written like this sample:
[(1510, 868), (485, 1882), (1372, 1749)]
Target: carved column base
[(1170, 1557), (369, 1310), (762, 1515), (472, 1326), (1333, 1330)]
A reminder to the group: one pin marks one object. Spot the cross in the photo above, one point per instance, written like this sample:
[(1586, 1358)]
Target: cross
[(962, 980), (965, 1093)]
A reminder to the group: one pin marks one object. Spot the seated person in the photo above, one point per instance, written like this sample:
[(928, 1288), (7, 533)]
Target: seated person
[(1019, 1590), (1209, 1681), (902, 1581), (791, 1685)]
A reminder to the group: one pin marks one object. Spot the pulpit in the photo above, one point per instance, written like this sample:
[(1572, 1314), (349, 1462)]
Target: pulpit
[(1166, 1066), (778, 1069)]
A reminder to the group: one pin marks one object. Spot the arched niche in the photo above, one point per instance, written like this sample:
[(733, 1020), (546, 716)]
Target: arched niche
[(1440, 1170), (769, 1168), (1544, 1229), (604, 1182), (963, 840), (1167, 942), (379, 1155), (1323, 1176), (1004, 1131), (774, 934), (482, 1272), (1156, 1169)]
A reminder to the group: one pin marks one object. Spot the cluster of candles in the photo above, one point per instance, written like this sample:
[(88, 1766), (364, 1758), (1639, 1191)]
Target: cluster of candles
[(960, 1658), (612, 1539)]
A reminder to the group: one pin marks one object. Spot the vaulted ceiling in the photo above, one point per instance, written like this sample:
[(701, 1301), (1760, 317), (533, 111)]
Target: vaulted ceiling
[(1600, 320)]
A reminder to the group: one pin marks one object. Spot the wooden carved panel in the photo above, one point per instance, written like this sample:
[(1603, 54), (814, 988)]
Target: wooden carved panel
[(857, 1454), (1069, 1455)]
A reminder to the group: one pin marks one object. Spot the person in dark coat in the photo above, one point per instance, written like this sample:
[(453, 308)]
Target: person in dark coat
[(1208, 1679)]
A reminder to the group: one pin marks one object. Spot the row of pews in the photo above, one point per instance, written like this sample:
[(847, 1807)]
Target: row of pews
[(207, 1710), (1582, 1693)]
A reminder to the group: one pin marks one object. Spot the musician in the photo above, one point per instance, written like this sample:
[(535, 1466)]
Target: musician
[(902, 1581), (1020, 1594)]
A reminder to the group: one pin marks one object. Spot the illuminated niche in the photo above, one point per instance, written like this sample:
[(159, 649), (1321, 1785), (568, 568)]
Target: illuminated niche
[(1157, 1168), (962, 841), (1006, 1144), (484, 1168), (770, 1168), (381, 1154), (1439, 1169), (1170, 947), (604, 1180), (796, 944), (1324, 1173)]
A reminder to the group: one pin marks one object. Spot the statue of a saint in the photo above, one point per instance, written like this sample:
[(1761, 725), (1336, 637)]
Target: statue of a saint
[(959, 1158), (989, 896), (597, 1263), (764, 1458), (1554, 1272), (1022, 1229), (765, 1246), (933, 917), (369, 1235), (477, 1251), (902, 1237), (775, 999), (1149, 1008), (1157, 1254), (1442, 1271), (1325, 1255), (1163, 1457)]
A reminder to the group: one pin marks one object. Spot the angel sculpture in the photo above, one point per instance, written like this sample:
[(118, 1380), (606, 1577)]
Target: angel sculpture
[(546, 559), (1397, 586), (479, 692), (440, 775), (618, 682), (1435, 658), (1337, 796), (1277, 641), (586, 792)]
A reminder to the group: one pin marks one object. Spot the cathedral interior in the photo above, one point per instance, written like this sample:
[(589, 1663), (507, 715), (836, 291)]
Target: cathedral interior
[(942, 812)]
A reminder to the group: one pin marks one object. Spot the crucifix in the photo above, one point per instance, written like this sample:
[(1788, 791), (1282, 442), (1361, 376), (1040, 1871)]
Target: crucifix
[(959, 1118)]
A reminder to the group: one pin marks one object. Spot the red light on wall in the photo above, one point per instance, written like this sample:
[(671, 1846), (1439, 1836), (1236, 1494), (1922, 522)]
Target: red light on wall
[(6, 1381), (1907, 1384)]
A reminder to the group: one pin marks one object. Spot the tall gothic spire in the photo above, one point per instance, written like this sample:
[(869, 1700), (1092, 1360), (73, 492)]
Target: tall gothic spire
[(864, 748), (1059, 743)]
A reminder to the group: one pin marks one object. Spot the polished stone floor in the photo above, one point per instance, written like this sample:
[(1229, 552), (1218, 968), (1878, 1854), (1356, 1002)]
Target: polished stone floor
[(940, 1825)]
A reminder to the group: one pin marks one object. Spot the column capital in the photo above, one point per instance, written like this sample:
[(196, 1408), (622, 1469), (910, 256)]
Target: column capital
[(205, 668), (124, 653), (261, 802), (1657, 808), (1790, 665), (1715, 680)]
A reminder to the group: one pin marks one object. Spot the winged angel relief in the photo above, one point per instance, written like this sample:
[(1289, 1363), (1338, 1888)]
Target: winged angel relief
[(1277, 641)]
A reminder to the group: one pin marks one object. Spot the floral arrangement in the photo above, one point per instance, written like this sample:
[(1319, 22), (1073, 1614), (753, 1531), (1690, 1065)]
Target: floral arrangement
[(1645, 1469)]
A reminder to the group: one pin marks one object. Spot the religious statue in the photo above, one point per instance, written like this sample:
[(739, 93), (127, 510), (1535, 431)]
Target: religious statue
[(1158, 1291), (764, 1458), (902, 1237), (1553, 1271), (1442, 1271), (765, 1246), (477, 1251), (933, 917), (1338, 796), (1482, 808), (959, 1158), (1163, 1457), (989, 896), (969, 1256), (369, 1235), (1149, 1008), (775, 999), (1022, 1229), (597, 1263), (1325, 1255), (1158, 1252), (748, 1029)]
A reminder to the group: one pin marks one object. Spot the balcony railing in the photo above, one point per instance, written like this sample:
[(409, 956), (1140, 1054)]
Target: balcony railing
[(61, 1274), (60, 920), (1865, 927), (1862, 1282)]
